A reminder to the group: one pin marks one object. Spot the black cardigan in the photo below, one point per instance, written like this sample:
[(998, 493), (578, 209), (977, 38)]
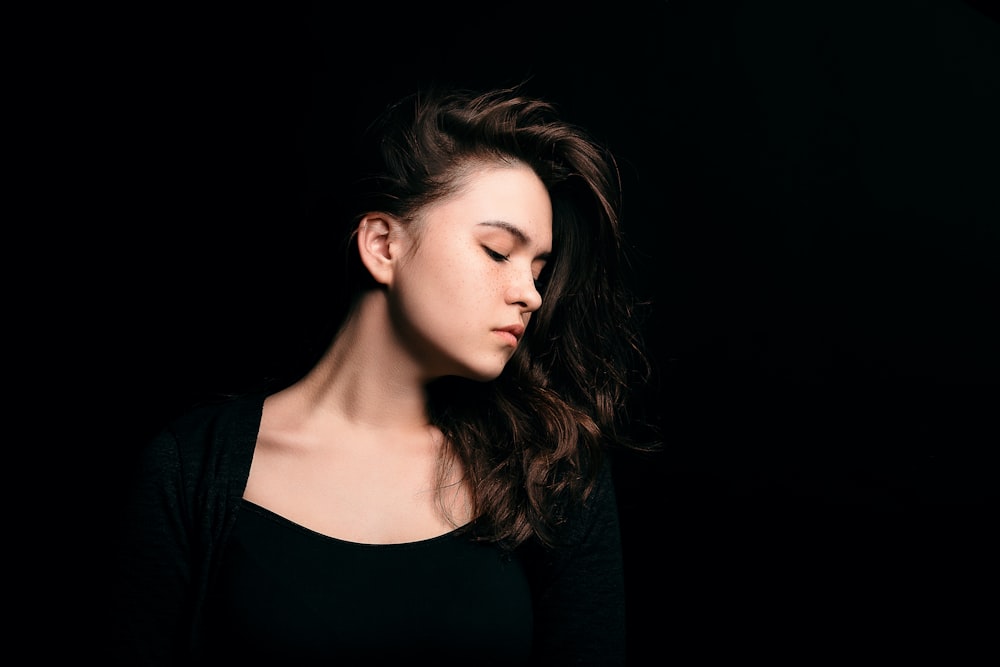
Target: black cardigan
[(187, 492)]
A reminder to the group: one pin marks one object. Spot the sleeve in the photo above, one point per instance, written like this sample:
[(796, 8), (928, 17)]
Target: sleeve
[(151, 593), (580, 608)]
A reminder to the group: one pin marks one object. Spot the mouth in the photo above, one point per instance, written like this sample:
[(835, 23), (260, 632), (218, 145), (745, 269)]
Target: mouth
[(511, 334)]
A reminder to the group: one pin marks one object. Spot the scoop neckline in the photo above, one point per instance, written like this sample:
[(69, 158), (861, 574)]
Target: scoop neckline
[(285, 521)]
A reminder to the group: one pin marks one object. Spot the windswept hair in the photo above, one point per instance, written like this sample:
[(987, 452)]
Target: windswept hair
[(532, 441)]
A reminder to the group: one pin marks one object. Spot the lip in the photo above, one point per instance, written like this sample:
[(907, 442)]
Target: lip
[(515, 331)]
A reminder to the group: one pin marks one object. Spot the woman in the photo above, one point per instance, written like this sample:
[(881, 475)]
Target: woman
[(436, 486)]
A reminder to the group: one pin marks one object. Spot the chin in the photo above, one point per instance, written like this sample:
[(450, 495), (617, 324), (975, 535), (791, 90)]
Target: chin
[(487, 370), (482, 376), (482, 373)]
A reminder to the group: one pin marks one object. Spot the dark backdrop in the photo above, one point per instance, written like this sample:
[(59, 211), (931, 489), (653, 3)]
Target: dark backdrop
[(811, 193)]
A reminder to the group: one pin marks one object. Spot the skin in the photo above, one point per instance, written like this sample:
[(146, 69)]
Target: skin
[(472, 274), (348, 451)]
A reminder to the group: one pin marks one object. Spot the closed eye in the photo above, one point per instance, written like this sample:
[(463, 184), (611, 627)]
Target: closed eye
[(495, 256)]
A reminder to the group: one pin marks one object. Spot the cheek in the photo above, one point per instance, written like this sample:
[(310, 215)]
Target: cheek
[(456, 286), (470, 278), (469, 288), (457, 278)]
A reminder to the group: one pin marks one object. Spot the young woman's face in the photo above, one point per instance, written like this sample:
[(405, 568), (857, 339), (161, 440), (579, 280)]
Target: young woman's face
[(465, 290)]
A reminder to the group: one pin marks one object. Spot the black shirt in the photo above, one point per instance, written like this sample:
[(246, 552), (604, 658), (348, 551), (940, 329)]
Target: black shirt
[(199, 568), (289, 594)]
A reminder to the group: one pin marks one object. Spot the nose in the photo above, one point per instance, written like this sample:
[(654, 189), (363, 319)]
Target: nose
[(522, 291)]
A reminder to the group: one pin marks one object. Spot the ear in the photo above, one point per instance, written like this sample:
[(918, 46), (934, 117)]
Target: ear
[(375, 230)]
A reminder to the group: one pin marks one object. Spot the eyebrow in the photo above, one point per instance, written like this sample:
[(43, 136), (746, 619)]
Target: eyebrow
[(516, 232)]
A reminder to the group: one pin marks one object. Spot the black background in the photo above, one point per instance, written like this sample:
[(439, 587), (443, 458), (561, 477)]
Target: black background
[(811, 192)]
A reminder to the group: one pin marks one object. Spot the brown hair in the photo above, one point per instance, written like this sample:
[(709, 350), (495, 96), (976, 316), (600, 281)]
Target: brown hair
[(533, 440)]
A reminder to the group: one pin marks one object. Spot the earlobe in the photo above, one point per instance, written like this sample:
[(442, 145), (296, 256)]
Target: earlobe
[(374, 248)]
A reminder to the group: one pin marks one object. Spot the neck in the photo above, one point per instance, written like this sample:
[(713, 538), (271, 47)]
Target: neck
[(366, 376)]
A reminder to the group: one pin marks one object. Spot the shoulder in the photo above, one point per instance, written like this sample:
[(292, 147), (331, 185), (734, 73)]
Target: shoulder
[(594, 524), (599, 514), (214, 437), (226, 419)]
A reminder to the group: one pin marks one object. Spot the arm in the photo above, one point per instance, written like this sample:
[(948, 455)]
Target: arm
[(580, 608), (150, 594)]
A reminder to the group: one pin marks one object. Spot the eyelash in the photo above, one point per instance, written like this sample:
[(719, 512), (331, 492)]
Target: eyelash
[(497, 257)]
